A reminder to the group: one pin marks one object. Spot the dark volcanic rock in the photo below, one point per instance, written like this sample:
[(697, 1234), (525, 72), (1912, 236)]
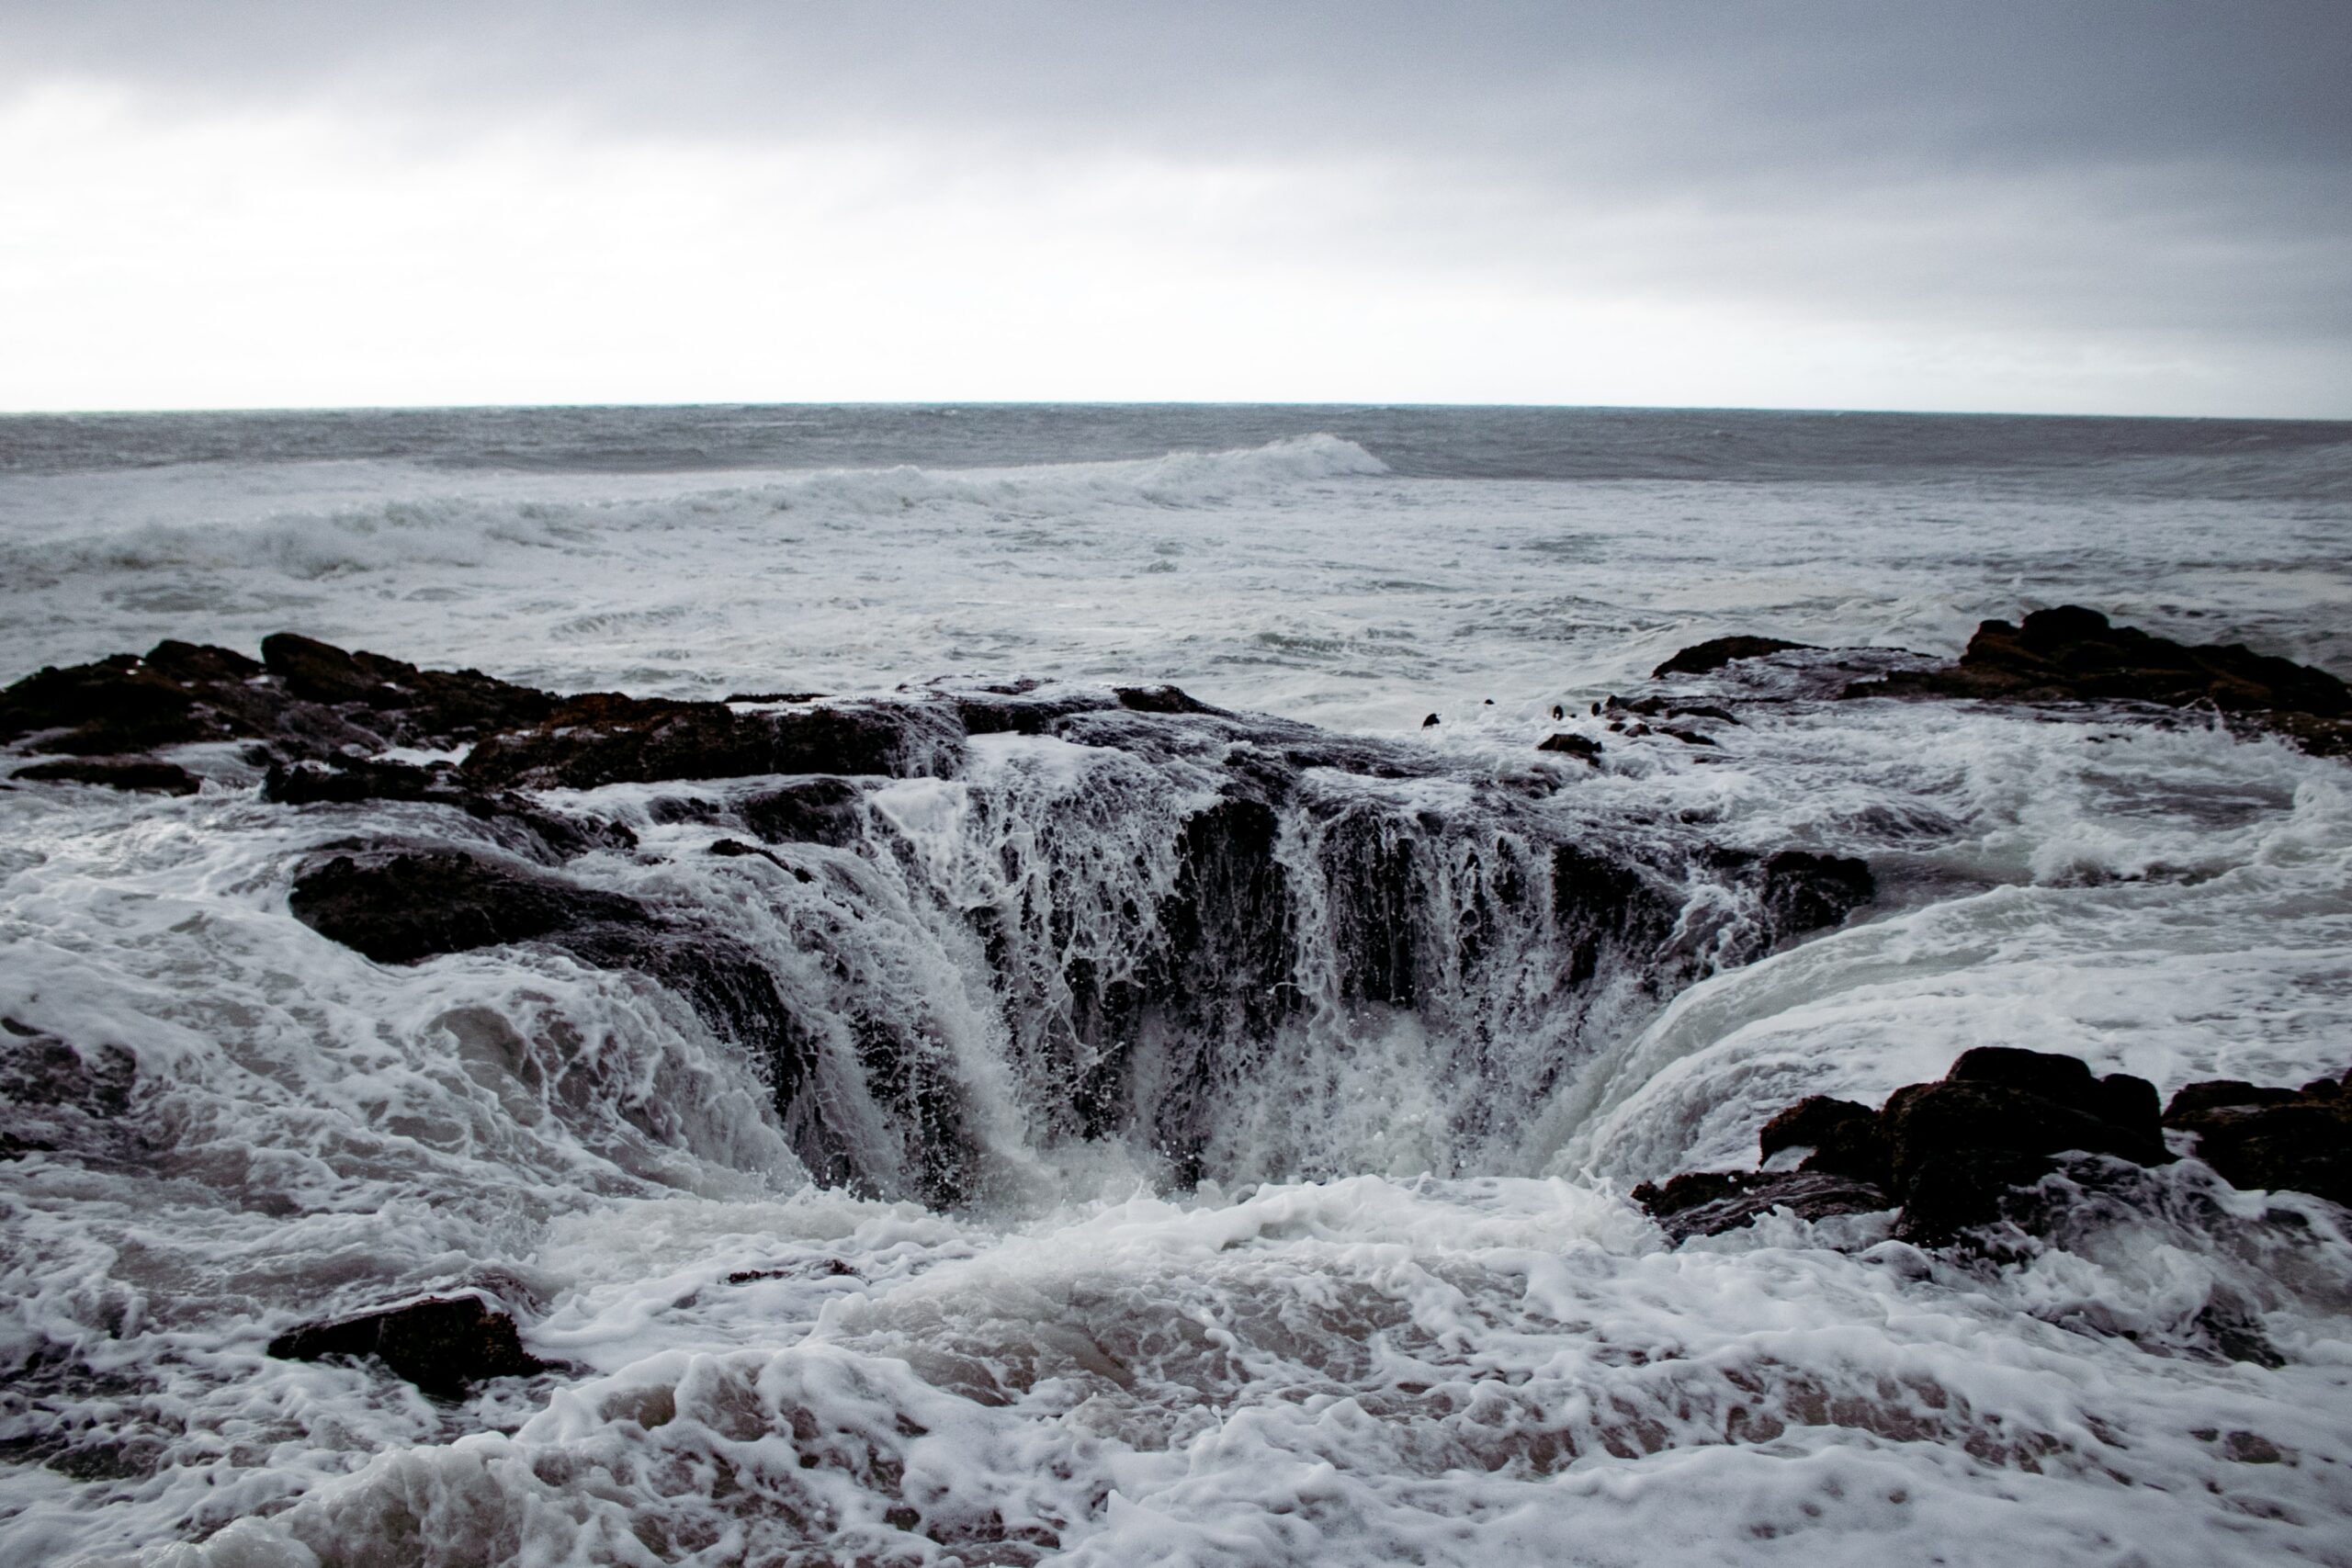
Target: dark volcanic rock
[(2190, 1099), (442, 1344), (306, 699), (402, 906), (349, 781), (1583, 747), (126, 705), (1599, 902), (809, 811), (140, 773), (1368, 861), (1844, 1138), (2272, 1138), (1708, 1202), (1161, 699), (2072, 654), (1803, 891), (437, 707), (1699, 658), (1952, 1144), (608, 738), (1954, 1154)]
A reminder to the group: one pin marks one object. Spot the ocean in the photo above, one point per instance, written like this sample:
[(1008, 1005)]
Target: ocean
[(1320, 1251)]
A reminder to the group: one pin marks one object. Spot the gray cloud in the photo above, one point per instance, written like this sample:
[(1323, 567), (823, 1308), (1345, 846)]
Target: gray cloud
[(2176, 172)]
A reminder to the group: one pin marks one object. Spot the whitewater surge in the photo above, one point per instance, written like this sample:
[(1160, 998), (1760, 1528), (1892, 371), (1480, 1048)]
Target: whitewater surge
[(1179, 1137)]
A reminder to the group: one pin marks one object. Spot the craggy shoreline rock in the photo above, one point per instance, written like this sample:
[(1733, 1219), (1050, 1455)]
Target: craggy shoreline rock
[(607, 738), (304, 697), (1955, 1156), (1701, 658), (2300, 1139), (2072, 654)]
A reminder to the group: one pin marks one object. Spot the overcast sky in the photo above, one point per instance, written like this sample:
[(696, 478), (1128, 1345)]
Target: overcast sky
[(2072, 206)]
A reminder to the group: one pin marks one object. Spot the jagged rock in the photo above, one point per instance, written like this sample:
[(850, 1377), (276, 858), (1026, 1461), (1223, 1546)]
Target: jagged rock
[(809, 811), (1161, 699), (1368, 863), (439, 707), (2072, 654), (1582, 747), (2272, 1138), (404, 907), (349, 781), (1955, 1147), (142, 774), (305, 699), (1710, 1202), (606, 738), (1843, 1136), (1953, 1154), (2189, 1100), (1701, 658), (1803, 891), (2121, 1100), (125, 704), (442, 1343)]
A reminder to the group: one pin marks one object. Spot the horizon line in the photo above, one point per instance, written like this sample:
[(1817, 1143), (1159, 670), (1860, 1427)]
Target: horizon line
[(919, 403)]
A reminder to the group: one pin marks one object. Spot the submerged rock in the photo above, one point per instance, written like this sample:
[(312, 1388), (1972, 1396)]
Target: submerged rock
[(54, 1097), (444, 1345)]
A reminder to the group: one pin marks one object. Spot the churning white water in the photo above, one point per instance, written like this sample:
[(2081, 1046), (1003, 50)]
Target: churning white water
[(1333, 1264)]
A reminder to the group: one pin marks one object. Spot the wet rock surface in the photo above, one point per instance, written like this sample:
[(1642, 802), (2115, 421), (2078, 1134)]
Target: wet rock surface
[(2072, 654), (1701, 658), (444, 1345), (1958, 1154), (2275, 1139), (352, 781), (608, 738)]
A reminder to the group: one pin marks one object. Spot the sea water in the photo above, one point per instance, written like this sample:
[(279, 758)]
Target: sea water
[(1402, 1310)]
